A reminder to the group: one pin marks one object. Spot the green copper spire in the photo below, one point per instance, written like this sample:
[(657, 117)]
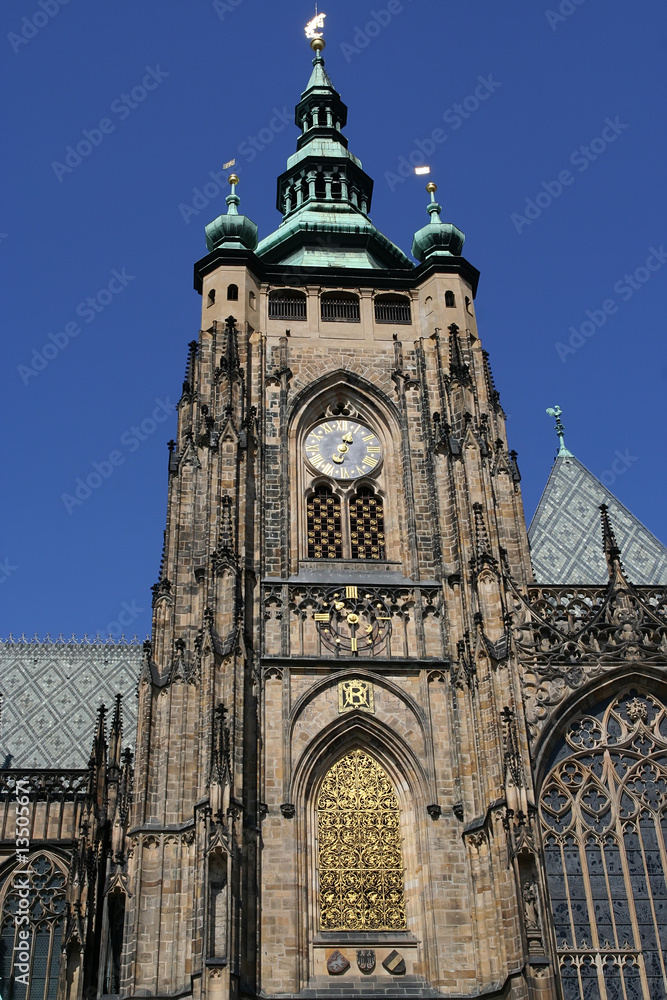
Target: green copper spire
[(438, 237), (324, 195), (555, 411), (232, 229)]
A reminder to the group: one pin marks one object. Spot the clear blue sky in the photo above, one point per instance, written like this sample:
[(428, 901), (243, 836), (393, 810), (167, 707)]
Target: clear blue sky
[(206, 82)]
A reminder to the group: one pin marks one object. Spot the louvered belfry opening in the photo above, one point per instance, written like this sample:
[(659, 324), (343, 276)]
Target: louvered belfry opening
[(367, 525), (324, 531)]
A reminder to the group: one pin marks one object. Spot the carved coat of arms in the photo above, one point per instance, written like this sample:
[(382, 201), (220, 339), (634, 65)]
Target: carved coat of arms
[(366, 960), (337, 964)]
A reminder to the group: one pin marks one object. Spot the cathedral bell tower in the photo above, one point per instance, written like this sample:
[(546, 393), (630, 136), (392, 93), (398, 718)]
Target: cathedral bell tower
[(333, 789)]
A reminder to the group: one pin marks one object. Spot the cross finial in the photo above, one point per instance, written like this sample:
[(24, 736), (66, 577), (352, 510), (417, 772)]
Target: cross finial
[(555, 411)]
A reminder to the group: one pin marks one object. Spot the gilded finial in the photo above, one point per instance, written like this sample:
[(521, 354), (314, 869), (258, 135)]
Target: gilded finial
[(555, 411), (315, 35), (233, 200), (433, 209)]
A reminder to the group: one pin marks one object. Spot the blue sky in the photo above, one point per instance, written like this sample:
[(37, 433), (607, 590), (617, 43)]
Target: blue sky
[(97, 255)]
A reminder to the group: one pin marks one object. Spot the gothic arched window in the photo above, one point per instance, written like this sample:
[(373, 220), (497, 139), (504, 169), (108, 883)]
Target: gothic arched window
[(232, 293), (360, 867), (323, 517), (450, 301), (45, 882), (604, 819), (366, 525)]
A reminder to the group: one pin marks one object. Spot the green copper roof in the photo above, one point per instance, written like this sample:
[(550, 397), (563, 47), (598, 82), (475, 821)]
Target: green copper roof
[(325, 195), (232, 229), (437, 237)]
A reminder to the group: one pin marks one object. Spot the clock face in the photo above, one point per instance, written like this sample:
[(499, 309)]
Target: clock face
[(343, 449)]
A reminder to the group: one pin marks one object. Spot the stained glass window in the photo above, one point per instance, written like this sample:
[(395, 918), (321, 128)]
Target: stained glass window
[(604, 818), (366, 525), (46, 887), (323, 518), (359, 842)]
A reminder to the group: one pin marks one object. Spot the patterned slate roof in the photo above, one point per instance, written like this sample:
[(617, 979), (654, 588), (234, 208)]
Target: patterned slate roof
[(50, 695), (566, 538)]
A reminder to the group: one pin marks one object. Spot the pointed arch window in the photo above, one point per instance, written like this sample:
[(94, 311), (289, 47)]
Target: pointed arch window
[(360, 860), (46, 885), (324, 531), (603, 809), (366, 525)]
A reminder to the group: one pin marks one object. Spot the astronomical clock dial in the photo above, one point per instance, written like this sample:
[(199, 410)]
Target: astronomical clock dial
[(343, 449), (351, 620)]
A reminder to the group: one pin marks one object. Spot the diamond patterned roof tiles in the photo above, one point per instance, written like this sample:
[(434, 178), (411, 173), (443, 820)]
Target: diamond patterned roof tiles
[(566, 538), (50, 695)]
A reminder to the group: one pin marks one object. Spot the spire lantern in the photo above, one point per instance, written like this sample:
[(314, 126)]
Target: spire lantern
[(438, 238)]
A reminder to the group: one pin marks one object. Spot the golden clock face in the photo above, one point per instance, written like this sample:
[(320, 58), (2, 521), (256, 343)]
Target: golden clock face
[(343, 449)]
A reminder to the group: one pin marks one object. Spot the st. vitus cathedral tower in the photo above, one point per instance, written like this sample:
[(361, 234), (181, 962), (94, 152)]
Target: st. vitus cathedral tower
[(334, 783), (331, 787)]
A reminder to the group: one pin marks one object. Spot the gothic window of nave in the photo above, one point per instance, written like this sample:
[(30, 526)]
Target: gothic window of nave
[(42, 881), (604, 819), (360, 860), (324, 524), (366, 525)]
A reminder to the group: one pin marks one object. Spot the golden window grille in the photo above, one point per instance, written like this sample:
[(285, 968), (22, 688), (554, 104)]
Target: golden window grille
[(323, 520), (360, 871), (367, 526), (604, 817)]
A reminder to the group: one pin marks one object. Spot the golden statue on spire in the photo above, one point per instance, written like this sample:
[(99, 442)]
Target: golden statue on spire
[(312, 32)]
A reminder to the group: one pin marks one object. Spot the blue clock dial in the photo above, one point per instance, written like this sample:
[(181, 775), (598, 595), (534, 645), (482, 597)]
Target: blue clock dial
[(343, 449)]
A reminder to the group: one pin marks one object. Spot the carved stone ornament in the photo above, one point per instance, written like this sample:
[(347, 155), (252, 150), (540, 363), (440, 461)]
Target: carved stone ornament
[(366, 960), (394, 964), (337, 964), (288, 810)]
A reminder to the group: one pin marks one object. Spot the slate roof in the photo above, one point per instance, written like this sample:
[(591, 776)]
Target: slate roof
[(50, 695), (566, 538)]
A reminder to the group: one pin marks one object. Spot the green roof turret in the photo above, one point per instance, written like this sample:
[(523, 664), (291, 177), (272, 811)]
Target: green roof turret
[(232, 229), (438, 237)]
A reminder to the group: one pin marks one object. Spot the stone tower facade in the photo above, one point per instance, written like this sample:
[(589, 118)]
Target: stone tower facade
[(373, 755), (332, 758)]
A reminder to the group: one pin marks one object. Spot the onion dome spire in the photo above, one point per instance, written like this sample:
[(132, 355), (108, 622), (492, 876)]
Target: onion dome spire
[(232, 229), (438, 237)]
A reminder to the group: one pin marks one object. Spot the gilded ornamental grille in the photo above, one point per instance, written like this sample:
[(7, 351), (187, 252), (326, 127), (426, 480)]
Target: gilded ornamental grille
[(367, 526), (604, 818), (323, 517), (359, 840)]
